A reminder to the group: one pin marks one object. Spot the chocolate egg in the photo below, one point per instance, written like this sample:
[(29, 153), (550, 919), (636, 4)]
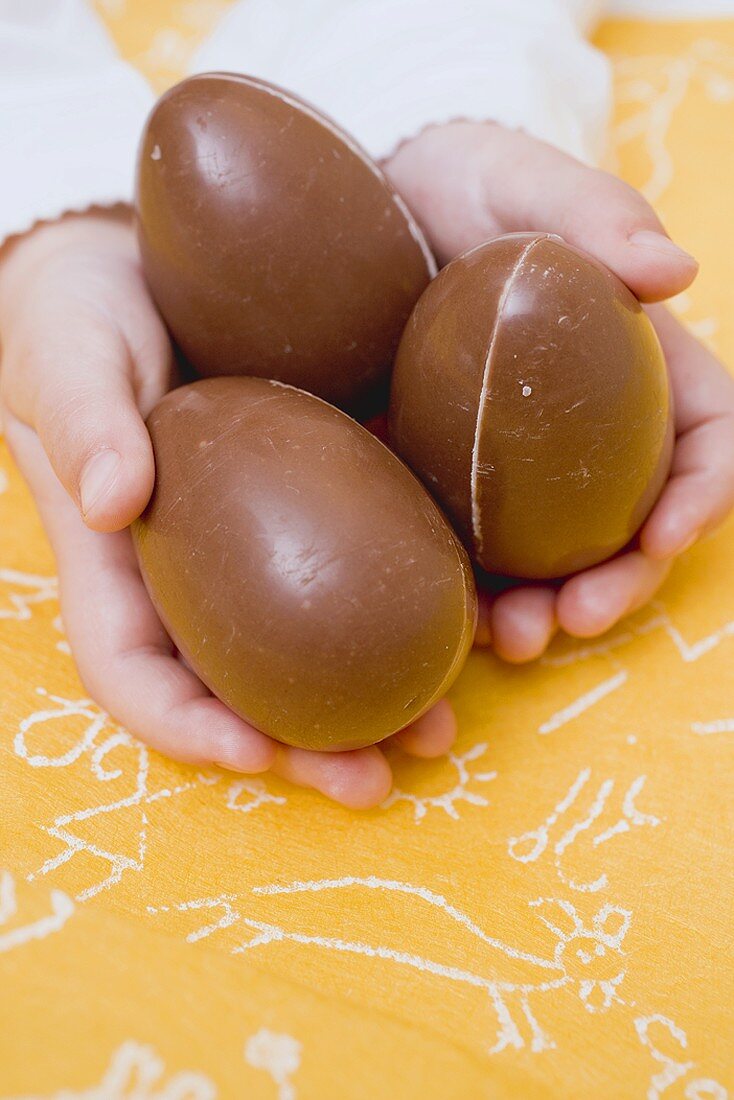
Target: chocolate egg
[(531, 395), (301, 569), (272, 244)]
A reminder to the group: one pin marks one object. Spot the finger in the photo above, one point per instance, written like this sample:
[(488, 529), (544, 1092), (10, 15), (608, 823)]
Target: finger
[(543, 188), (700, 492), (467, 182), (78, 391), (523, 622), (432, 734), (360, 779), (128, 665), (123, 655), (592, 602), (483, 633)]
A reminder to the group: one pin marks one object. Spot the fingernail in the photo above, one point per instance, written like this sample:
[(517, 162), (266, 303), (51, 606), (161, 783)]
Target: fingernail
[(647, 238), (687, 543), (98, 477)]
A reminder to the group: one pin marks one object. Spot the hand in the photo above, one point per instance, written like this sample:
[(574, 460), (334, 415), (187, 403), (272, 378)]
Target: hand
[(85, 358), (468, 182)]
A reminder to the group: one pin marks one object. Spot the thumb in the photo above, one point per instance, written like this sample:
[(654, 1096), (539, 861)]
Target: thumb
[(84, 408), (544, 189), (467, 182)]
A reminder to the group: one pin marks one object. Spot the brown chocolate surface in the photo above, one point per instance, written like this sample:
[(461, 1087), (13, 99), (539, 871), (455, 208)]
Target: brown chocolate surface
[(531, 395), (272, 244), (301, 569)]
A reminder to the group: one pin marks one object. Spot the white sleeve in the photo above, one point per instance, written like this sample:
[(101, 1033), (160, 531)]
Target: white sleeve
[(71, 113), (385, 69)]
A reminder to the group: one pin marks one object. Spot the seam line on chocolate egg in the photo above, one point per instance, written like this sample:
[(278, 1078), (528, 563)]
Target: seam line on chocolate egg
[(300, 104), (475, 517)]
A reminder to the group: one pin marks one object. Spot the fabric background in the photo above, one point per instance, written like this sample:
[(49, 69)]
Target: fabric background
[(547, 913)]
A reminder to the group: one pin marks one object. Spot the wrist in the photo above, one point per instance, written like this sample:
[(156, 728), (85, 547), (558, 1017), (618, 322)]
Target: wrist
[(108, 229), (112, 224)]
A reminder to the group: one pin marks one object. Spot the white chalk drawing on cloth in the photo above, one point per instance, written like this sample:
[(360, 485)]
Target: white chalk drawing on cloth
[(718, 725), (587, 957), (584, 702), (137, 1072), (278, 1055), (37, 742), (653, 88), (457, 792), (61, 908), (530, 846), (62, 645), (227, 903), (650, 90), (20, 592), (258, 792), (688, 651), (661, 1036)]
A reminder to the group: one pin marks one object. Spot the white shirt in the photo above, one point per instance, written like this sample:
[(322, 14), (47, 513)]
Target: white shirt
[(71, 111)]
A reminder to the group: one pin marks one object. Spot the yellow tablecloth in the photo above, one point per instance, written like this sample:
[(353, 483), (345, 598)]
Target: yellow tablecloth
[(548, 913)]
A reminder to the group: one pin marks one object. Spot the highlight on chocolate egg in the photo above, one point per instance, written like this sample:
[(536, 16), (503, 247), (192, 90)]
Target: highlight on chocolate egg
[(272, 244), (301, 569), (531, 395)]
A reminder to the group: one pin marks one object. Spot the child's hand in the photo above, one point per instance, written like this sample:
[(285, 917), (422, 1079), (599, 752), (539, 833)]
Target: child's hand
[(85, 357), (467, 182)]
